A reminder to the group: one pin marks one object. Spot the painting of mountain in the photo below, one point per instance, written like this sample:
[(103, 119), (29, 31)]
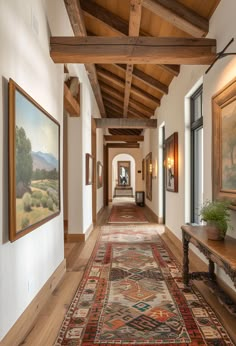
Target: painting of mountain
[(35, 182), (44, 161)]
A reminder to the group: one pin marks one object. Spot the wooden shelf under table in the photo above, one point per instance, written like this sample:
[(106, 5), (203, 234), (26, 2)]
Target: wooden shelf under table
[(223, 253)]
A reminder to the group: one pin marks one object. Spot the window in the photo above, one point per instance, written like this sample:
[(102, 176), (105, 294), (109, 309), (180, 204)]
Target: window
[(196, 155)]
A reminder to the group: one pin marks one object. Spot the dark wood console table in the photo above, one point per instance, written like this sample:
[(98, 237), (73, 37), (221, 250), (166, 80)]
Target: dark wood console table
[(223, 253)]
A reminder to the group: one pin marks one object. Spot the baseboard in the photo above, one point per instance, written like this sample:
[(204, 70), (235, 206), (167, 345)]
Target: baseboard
[(80, 237), (154, 215), (74, 237), (25, 322), (100, 212)]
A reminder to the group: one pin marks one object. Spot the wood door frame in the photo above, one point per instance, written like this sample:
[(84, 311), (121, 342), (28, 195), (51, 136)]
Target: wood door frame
[(94, 182), (106, 172), (65, 171)]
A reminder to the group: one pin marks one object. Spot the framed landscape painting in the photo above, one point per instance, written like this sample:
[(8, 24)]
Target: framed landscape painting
[(224, 143), (34, 164)]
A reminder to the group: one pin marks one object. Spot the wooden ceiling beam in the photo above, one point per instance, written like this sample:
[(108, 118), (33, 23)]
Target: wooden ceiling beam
[(117, 25), (147, 79), (111, 77), (135, 12), (112, 106), (179, 15), (77, 22), (173, 69), (137, 113), (128, 82), (141, 107), (117, 109), (123, 145), (123, 138), (109, 92), (117, 98), (143, 94), (133, 50), (112, 100), (150, 81), (123, 123), (113, 114), (71, 104), (136, 132)]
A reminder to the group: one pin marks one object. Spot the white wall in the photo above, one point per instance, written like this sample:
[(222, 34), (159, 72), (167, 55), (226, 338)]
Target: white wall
[(150, 144), (123, 157), (79, 133), (172, 113), (26, 264), (79, 143)]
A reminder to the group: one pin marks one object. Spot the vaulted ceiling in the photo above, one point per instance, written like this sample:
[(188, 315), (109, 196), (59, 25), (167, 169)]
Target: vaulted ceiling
[(130, 68)]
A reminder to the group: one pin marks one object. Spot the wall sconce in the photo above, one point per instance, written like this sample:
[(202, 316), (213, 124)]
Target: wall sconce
[(154, 169), (170, 165), (150, 168)]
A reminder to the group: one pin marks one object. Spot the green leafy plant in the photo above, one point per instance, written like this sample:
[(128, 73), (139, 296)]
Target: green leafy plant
[(217, 212)]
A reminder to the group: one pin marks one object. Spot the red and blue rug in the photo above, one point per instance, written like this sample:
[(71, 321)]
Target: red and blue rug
[(127, 213), (132, 294)]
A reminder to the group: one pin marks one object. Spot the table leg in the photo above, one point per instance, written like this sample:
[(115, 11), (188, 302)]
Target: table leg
[(185, 260), (211, 269)]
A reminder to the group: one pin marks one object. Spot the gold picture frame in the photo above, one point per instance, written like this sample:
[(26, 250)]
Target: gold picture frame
[(224, 143), (34, 164)]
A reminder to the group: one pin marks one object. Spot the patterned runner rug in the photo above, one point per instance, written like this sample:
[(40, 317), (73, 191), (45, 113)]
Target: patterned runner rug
[(127, 213), (132, 294)]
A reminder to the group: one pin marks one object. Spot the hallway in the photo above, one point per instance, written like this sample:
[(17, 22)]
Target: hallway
[(77, 256), (102, 99)]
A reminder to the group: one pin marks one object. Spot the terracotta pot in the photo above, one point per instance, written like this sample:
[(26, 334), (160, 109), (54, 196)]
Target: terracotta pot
[(213, 231)]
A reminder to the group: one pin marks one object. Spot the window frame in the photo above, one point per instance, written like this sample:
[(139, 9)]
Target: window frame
[(195, 125)]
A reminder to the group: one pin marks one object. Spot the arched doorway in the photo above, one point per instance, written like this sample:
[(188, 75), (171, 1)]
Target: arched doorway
[(123, 176)]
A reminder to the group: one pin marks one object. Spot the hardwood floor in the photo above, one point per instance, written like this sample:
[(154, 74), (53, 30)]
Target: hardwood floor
[(77, 255)]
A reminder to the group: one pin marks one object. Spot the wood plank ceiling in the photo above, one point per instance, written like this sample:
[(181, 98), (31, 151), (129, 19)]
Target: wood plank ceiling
[(135, 90)]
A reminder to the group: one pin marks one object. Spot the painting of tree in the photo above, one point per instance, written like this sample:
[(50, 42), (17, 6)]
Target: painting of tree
[(34, 163), (24, 163)]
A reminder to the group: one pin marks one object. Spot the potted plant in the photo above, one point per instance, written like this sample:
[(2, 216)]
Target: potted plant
[(217, 216)]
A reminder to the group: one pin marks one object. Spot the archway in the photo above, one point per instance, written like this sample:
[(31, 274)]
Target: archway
[(123, 173)]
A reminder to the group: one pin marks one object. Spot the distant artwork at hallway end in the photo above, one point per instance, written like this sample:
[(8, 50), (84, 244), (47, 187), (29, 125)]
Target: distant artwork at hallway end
[(34, 165)]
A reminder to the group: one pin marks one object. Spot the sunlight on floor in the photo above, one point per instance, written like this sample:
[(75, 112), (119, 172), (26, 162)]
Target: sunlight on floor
[(123, 200)]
